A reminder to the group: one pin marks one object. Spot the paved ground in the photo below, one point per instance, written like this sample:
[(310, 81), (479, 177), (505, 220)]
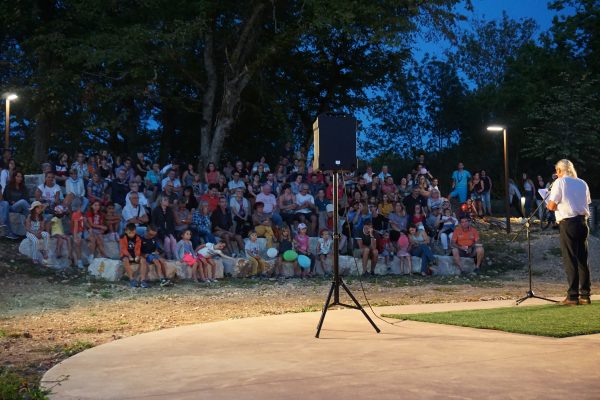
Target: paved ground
[(278, 358)]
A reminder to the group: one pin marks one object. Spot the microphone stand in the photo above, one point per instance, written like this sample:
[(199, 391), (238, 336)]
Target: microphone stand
[(527, 227)]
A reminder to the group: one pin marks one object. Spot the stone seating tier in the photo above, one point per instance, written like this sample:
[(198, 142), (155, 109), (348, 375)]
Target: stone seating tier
[(111, 268)]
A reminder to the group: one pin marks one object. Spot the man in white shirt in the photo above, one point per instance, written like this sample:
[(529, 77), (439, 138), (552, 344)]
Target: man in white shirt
[(177, 188), (384, 173), (306, 210), (235, 183), (368, 175), (134, 213), (134, 188), (570, 199), (270, 204)]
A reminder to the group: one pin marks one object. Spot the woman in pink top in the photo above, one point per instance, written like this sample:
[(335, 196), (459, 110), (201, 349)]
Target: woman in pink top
[(404, 255), (211, 176)]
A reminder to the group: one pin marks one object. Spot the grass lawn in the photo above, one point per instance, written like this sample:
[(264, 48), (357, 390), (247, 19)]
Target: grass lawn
[(547, 320)]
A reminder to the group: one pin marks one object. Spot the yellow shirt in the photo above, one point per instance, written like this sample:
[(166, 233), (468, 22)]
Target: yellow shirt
[(56, 226), (386, 209)]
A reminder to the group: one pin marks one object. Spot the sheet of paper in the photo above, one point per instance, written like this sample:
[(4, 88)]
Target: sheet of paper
[(543, 193)]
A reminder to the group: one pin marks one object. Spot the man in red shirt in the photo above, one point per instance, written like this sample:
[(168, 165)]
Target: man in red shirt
[(212, 197), (465, 243)]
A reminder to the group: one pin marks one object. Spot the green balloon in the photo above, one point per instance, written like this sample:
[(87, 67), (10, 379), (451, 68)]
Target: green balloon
[(290, 255)]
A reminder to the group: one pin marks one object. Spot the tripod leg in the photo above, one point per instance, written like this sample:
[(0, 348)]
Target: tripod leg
[(359, 306), (325, 307)]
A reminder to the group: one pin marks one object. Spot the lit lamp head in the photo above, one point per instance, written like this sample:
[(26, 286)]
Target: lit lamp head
[(11, 97), (495, 128)]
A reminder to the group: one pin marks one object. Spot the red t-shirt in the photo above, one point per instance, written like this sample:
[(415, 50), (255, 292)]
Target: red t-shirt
[(97, 219), (77, 220)]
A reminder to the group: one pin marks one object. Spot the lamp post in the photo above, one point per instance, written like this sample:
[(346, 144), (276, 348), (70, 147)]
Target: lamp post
[(496, 128), (9, 97)]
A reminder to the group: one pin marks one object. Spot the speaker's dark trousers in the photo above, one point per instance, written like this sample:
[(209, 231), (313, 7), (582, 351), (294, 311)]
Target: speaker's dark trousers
[(574, 247)]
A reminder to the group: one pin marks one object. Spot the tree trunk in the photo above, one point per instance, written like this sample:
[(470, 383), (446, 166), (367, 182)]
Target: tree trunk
[(169, 115), (217, 125), (41, 136)]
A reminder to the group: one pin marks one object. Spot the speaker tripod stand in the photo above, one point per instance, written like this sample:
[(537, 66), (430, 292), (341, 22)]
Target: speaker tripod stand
[(527, 227), (337, 281)]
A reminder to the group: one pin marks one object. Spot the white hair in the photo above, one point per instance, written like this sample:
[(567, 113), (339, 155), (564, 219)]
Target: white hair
[(566, 167)]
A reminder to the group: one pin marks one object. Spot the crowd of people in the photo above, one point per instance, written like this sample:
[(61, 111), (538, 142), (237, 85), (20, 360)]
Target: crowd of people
[(174, 212)]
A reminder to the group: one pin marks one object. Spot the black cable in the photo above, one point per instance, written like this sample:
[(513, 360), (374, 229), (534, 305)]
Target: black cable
[(362, 288)]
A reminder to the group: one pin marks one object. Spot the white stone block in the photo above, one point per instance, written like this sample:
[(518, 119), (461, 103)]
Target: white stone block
[(17, 223), (111, 270)]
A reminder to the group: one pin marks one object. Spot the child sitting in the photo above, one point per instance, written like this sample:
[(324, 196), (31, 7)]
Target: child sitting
[(449, 222), (285, 244), (112, 220), (185, 253), (130, 250), (386, 248), (34, 225), (256, 264), (262, 223), (57, 231), (205, 253), (404, 254), (301, 245), (324, 250), (150, 251)]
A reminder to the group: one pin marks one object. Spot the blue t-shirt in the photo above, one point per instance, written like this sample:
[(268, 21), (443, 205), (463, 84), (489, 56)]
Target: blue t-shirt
[(461, 178)]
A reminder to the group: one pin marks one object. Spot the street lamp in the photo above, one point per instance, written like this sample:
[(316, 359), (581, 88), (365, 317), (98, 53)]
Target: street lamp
[(9, 97), (496, 128)]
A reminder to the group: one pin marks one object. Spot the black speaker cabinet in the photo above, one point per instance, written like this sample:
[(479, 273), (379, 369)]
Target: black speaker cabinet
[(335, 143)]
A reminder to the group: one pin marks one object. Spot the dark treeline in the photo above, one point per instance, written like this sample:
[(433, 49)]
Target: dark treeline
[(214, 80)]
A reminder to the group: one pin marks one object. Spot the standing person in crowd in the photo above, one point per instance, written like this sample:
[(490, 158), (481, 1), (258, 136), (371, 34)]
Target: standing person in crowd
[(515, 197), (476, 190), (486, 194), (324, 249), (540, 183), (78, 228), (152, 180), (35, 231), (570, 199), (15, 199), (460, 183), (398, 221), (163, 218), (465, 243), (321, 203), (222, 223), (95, 221), (529, 193)]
